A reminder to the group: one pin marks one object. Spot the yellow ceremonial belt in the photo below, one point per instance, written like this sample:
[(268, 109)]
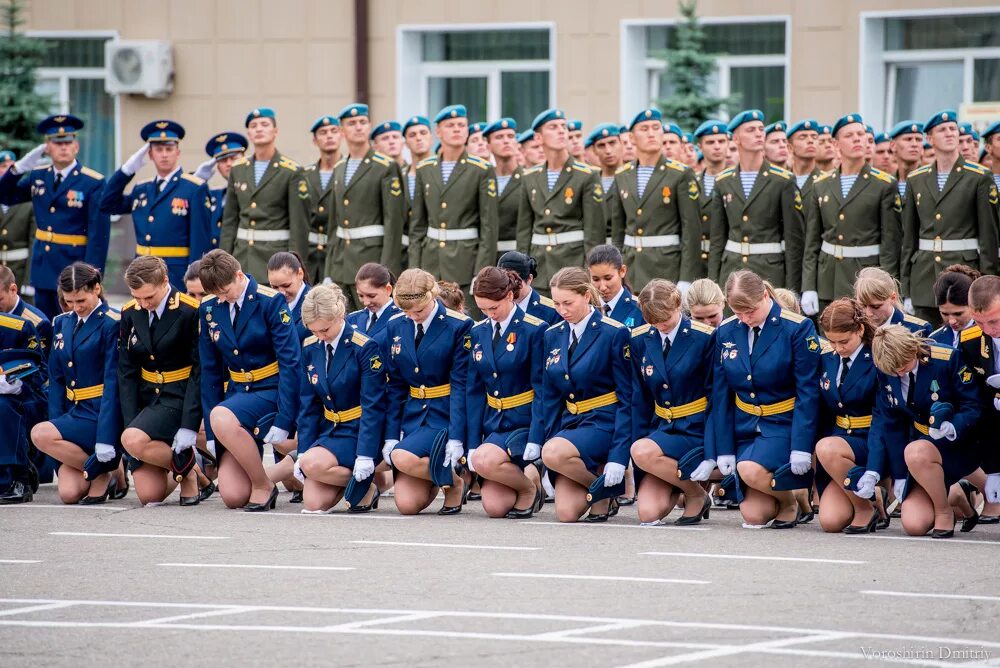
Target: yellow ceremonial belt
[(436, 392), (65, 239), (162, 377), (590, 404), (83, 393), (848, 422), (336, 417), (682, 411), (255, 375), (922, 428), (163, 251), (765, 410), (504, 403)]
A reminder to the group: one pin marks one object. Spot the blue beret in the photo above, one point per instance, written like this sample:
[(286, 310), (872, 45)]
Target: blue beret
[(674, 129), (711, 127), (906, 128), (497, 126), (546, 116), (476, 127), (527, 135), (414, 121), (778, 126), (602, 131), (382, 128), (162, 132), (689, 137), (982, 154), (260, 112), (992, 130), (352, 110), (225, 143), (870, 130), (943, 116), (825, 130), (847, 120), (451, 111), (324, 121), (927, 145), (881, 138), (806, 125), (622, 129), (61, 128), (651, 114), (746, 117), (967, 129), (574, 126), (7, 155)]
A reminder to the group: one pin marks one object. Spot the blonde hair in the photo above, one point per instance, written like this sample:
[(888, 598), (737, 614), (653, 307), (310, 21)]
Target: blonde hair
[(745, 289), (704, 292), (659, 301), (415, 289), (788, 300), (874, 285), (323, 302), (894, 347), (576, 279)]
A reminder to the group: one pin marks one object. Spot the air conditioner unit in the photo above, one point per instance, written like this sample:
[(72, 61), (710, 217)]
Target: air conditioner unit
[(145, 67)]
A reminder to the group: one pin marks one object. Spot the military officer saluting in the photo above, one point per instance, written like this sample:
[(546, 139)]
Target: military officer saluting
[(223, 150), (267, 200), (713, 141), (561, 215), (655, 210), (319, 178), (16, 229), (950, 217), (172, 211), (501, 138), (66, 198), (852, 222), (369, 206), (756, 213)]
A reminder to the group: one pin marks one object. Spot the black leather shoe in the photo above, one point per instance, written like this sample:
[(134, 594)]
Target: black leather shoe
[(942, 533), (190, 500), (263, 507), (626, 500), (787, 524), (518, 514), (450, 510), (806, 518), (475, 496), (884, 519), (368, 508), (120, 492), (103, 498), (867, 528), (969, 523), (296, 497), (989, 519), (206, 491), (17, 492), (706, 508)]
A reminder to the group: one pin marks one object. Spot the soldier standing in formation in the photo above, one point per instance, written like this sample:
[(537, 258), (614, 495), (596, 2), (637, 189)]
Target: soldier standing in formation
[(319, 179)]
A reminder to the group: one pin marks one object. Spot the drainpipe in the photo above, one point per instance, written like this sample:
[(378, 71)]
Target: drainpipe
[(361, 51)]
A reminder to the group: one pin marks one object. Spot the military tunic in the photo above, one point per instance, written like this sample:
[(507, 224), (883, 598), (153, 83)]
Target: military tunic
[(320, 206), (508, 201), (17, 228)]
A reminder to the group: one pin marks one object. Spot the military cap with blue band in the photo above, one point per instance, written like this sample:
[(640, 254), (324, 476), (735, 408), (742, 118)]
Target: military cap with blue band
[(324, 121), (711, 127), (747, 116), (598, 492), (382, 128), (651, 114), (476, 128), (845, 121), (602, 131), (777, 126), (687, 464), (451, 111), (854, 477), (414, 121), (673, 129), (497, 126), (162, 132), (574, 126), (805, 125), (940, 118), (991, 130), (547, 116), (623, 129), (60, 128), (784, 480), (353, 110), (527, 135), (906, 128), (6, 156), (225, 143), (260, 112)]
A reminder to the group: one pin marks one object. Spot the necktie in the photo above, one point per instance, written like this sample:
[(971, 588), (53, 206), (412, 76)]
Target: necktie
[(156, 184), (420, 335), (666, 348), (910, 394), (607, 310), (572, 345), (845, 366), (236, 314), (756, 335), (79, 324), (496, 335), (371, 321), (58, 179), (329, 357), (153, 322)]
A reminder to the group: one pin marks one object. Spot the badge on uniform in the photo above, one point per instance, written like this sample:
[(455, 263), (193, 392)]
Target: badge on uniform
[(285, 318), (59, 343), (693, 192), (629, 322), (812, 344), (375, 363), (314, 378), (491, 187), (892, 398), (732, 354), (303, 190), (568, 195), (74, 199), (798, 201), (824, 382), (727, 198), (477, 354), (396, 346), (243, 186), (965, 375), (993, 195), (179, 206), (897, 204), (133, 340), (934, 389), (511, 340), (666, 194), (553, 358), (467, 343), (649, 370), (627, 350), (598, 193), (623, 193)]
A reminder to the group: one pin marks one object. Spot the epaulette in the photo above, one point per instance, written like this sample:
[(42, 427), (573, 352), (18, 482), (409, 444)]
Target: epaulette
[(398, 315), (481, 322), (882, 176), (113, 314), (640, 330), (533, 320), (971, 333), (941, 352), (310, 340), (427, 161), (193, 179), (546, 301), (974, 167), (729, 171), (701, 327), (780, 171), (534, 170), (456, 315), (381, 158), (359, 339), (624, 168), (188, 299), (129, 304), (918, 170), (478, 162), (583, 167), (823, 175), (792, 315), (558, 325), (729, 319), (914, 320), (340, 162), (939, 330), (92, 173), (676, 164), (824, 346), (611, 321), (11, 322), (31, 317), (242, 161), (207, 299), (288, 163), (266, 291)]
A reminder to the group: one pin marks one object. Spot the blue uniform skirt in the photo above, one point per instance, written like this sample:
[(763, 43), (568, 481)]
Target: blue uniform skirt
[(770, 452), (420, 441), (859, 447), (500, 440), (675, 446), (249, 408), (593, 444), (344, 448), (79, 430)]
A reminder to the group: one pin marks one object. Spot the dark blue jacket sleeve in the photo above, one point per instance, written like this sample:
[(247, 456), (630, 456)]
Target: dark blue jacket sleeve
[(373, 402), (642, 400), (114, 200), (805, 366), (287, 350), (536, 431), (211, 373), (15, 188), (109, 423), (723, 436), (98, 229), (310, 408), (201, 223), (459, 378), (621, 367), (475, 392)]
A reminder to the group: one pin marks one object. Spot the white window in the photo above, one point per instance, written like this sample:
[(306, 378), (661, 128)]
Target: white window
[(914, 64), (751, 63), (494, 70)]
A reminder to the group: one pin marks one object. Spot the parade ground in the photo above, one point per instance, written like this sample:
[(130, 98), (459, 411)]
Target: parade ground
[(217, 587)]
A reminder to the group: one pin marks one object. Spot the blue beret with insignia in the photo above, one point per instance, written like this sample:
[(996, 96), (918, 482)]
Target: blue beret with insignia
[(382, 128), (688, 137), (825, 130), (60, 128), (805, 125), (906, 128), (622, 129), (476, 128), (497, 126), (967, 129), (991, 130), (324, 121), (651, 114), (547, 116), (6, 156), (260, 112), (414, 121), (162, 132), (574, 126), (525, 136), (881, 138), (226, 143), (674, 129), (451, 111), (845, 121), (353, 110), (711, 127), (747, 116), (778, 126), (602, 131), (941, 117)]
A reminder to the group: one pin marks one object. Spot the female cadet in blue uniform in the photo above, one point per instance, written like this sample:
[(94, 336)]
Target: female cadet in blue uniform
[(505, 397), (248, 340), (926, 399), (342, 401), (286, 274), (84, 412), (529, 299), (847, 386), (705, 302), (951, 294), (672, 360), (765, 399), (878, 293), (19, 401), (428, 365), (587, 389), (375, 284), (607, 273)]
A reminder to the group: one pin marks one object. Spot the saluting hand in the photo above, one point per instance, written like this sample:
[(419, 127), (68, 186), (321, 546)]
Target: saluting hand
[(136, 161), (205, 169), (30, 159), (363, 467)]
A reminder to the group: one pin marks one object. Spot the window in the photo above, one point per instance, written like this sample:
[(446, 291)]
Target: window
[(494, 71)]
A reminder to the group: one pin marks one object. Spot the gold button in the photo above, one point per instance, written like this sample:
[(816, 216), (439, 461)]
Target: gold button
[(840, 405), (52, 209), (494, 374), (444, 205), (345, 222), (638, 212), (347, 202), (572, 396), (148, 237), (548, 211), (72, 383), (749, 377), (4, 232), (70, 365), (48, 248), (443, 225), (745, 239), (937, 258), (937, 216), (547, 248), (840, 237), (746, 218), (236, 352), (841, 216), (548, 230), (704, 217), (152, 357), (321, 209), (320, 228), (416, 369), (639, 231), (150, 219), (440, 244), (753, 396), (156, 390), (745, 259), (253, 205), (566, 376), (704, 256), (253, 223)]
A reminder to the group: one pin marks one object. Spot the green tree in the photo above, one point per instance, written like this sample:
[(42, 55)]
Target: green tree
[(688, 70), (20, 106)]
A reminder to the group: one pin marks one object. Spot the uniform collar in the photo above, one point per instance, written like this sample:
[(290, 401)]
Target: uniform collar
[(581, 327), (613, 302), (298, 297), (243, 296), (524, 303), (331, 346), (505, 323), (85, 318), (387, 305), (427, 321), (672, 334), (162, 306), (65, 172)]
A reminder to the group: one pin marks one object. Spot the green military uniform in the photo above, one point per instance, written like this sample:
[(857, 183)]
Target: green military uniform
[(659, 230), (954, 225), (705, 214), (560, 226), (17, 230), (454, 223), (807, 185), (320, 205), (366, 222), (845, 235), (508, 201), (404, 249), (762, 232), (263, 219)]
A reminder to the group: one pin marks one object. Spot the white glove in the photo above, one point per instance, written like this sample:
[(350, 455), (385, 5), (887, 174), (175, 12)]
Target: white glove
[(683, 286), (810, 302), (908, 306), (800, 461), (993, 488), (468, 460), (532, 452), (275, 435), (13, 387), (726, 464), (297, 472), (613, 474), (184, 439), (205, 169), (210, 446), (105, 453), (31, 158), (136, 161), (453, 452), (946, 430), (897, 488), (703, 471), (363, 467), (866, 485), (994, 381), (387, 447), (996, 403)]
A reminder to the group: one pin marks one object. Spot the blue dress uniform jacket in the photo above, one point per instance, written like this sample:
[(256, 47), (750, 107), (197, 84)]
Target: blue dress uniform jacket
[(217, 198), (600, 367), (173, 223), (296, 312), (944, 336), (941, 376), (506, 374), (846, 411), (16, 410), (542, 307), (264, 344), (347, 405), (42, 324), (417, 377), (83, 374), (627, 311), (911, 322), (782, 368), (359, 321)]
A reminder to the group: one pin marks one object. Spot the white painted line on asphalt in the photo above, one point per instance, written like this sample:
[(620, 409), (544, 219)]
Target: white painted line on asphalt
[(660, 527), (939, 541), (20, 506), (914, 594), (343, 515), (196, 615), (134, 535), (734, 650), (589, 630), (611, 578), (276, 567), (457, 546), (37, 608), (19, 561), (704, 555), (395, 619)]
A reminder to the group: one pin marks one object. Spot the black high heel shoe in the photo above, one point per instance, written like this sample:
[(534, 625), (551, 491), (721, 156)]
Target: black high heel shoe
[(206, 491), (120, 492), (787, 524), (368, 508), (884, 518), (869, 527), (103, 498), (942, 533), (455, 510), (263, 507), (706, 508), (603, 517), (969, 523), (518, 514)]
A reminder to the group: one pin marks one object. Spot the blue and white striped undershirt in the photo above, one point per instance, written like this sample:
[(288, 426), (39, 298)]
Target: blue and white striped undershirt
[(901, 186), (259, 167), (606, 182), (552, 177), (942, 178), (352, 166), (411, 184), (748, 179), (446, 169), (801, 180), (642, 176), (709, 184), (502, 182), (324, 179), (996, 180), (846, 183)]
